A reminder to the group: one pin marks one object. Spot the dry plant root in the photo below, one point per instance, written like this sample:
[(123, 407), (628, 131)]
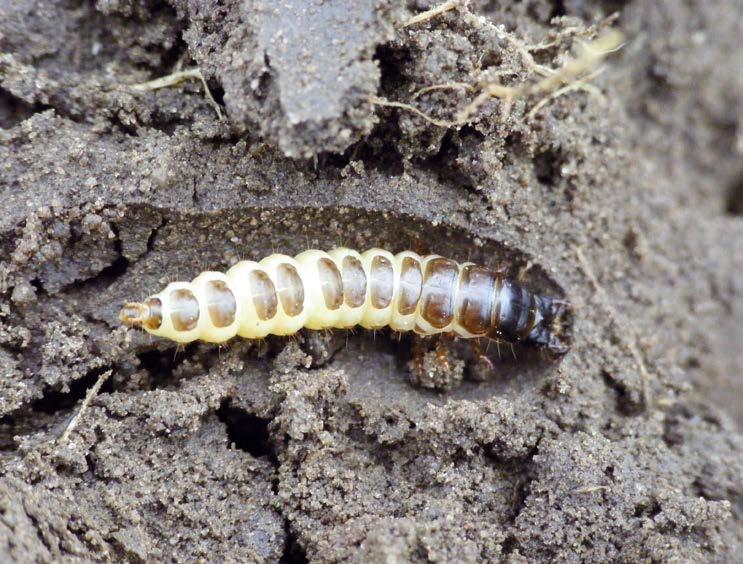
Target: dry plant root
[(433, 12), (92, 393), (377, 101), (574, 75), (175, 79)]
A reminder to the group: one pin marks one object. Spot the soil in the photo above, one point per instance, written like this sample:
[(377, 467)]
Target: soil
[(625, 199)]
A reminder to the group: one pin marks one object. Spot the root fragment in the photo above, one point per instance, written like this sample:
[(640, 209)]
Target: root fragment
[(401, 105), (573, 87), (591, 489), (546, 85), (175, 79), (556, 83), (92, 393), (433, 12), (494, 90), (444, 86), (591, 53)]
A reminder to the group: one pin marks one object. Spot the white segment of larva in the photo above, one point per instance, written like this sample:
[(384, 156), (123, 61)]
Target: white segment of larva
[(243, 278), (343, 288), (220, 306), (408, 282), (380, 270), (322, 290), (355, 281), (285, 272)]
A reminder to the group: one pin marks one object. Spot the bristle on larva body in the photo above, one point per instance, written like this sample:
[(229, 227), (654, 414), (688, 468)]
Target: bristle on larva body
[(343, 288)]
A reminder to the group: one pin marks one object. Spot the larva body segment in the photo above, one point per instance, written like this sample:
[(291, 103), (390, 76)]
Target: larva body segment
[(343, 288)]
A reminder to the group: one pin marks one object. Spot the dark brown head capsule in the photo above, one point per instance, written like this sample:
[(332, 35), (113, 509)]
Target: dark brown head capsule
[(552, 329), (521, 315)]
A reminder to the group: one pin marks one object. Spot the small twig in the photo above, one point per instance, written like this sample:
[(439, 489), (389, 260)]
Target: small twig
[(92, 392), (432, 13), (176, 78)]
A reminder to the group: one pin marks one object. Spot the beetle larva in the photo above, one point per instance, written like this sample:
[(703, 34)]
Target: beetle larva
[(343, 288)]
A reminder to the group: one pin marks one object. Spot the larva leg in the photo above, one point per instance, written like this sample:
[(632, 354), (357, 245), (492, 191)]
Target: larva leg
[(442, 351), (416, 365), (420, 247), (482, 367), (437, 370), (322, 345)]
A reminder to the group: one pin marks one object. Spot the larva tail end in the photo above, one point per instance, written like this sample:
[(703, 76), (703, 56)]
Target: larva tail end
[(133, 314), (138, 314)]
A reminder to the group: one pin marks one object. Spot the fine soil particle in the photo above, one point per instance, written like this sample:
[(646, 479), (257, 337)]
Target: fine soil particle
[(340, 124)]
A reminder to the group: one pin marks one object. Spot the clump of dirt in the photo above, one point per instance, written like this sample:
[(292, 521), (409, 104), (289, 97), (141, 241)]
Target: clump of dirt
[(618, 193), (303, 96)]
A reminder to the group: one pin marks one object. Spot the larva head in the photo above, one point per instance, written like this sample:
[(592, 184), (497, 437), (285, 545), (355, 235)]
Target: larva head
[(553, 330), (561, 325), (147, 314)]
